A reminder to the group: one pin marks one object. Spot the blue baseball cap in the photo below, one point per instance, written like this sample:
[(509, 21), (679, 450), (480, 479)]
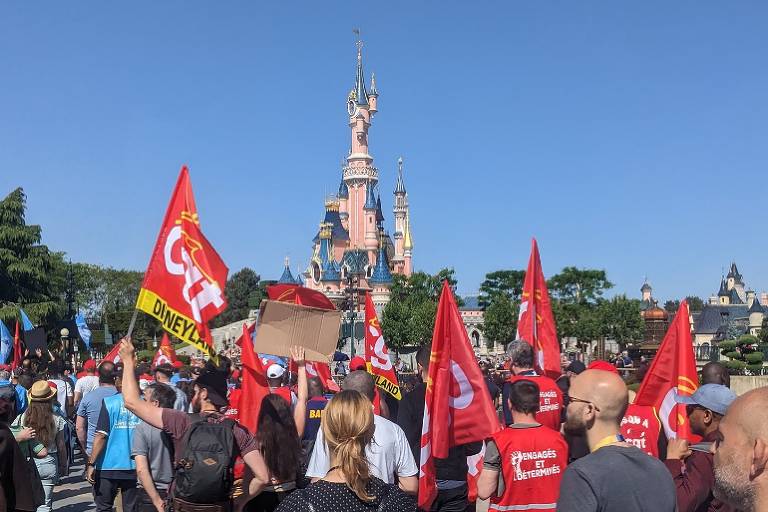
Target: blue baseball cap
[(715, 397)]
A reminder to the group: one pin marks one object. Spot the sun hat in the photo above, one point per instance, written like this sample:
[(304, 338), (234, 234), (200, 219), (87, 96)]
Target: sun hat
[(41, 392)]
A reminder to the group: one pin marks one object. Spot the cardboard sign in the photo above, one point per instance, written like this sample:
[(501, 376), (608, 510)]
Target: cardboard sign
[(36, 338), (282, 324)]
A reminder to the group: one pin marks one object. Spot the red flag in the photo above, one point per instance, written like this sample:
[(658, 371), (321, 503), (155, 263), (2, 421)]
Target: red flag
[(254, 381), (184, 283), (323, 372), (536, 324), (165, 353), (377, 353), (475, 466), (299, 295), (672, 373), (457, 406), (17, 351), (113, 355)]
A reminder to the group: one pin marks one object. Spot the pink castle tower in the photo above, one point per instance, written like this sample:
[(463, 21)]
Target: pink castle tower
[(352, 240)]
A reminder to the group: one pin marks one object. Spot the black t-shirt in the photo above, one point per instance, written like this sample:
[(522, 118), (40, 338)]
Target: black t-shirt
[(617, 479), (323, 496), (493, 389)]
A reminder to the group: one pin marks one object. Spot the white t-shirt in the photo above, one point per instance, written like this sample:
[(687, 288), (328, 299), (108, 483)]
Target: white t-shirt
[(85, 385), (63, 391), (388, 454)]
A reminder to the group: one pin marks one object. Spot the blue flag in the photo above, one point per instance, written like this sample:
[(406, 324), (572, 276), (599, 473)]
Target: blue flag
[(6, 343), (25, 322), (84, 330)]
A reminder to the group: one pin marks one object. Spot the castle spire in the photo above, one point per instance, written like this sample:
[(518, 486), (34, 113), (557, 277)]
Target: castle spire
[(381, 274), (360, 92), (370, 197), (373, 91), (407, 242), (287, 277), (400, 185)]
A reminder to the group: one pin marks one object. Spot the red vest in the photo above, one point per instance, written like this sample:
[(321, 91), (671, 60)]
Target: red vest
[(283, 391), (641, 427), (532, 462), (550, 400)]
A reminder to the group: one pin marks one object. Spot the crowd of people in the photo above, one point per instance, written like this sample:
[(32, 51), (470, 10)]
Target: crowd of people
[(169, 438)]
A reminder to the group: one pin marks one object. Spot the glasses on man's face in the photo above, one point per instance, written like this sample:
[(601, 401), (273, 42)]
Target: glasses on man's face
[(574, 399)]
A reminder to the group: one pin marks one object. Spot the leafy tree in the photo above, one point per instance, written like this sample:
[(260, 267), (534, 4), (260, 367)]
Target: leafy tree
[(744, 354), (574, 285), (25, 266), (409, 317), (500, 320), (244, 291), (764, 330), (508, 283), (620, 320), (671, 306), (695, 303)]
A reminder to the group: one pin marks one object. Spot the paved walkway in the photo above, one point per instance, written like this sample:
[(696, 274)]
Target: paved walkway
[(73, 494)]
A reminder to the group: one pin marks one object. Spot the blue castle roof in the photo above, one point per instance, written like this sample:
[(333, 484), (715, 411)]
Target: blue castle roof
[(381, 273)]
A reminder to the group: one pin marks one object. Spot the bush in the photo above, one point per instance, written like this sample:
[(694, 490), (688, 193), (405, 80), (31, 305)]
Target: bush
[(733, 355), (726, 346), (754, 357), (747, 340), (755, 369), (735, 365)]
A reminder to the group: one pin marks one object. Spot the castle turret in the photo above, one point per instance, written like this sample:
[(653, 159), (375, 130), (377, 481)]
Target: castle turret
[(647, 291), (407, 247), (373, 95), (381, 278), (371, 226), (400, 210), (287, 277), (343, 197), (756, 314)]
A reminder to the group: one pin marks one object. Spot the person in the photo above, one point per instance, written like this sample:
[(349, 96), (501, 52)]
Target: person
[(275, 374), (741, 453), (315, 406), (49, 433), (524, 463), (451, 472), (715, 373), (87, 382), (110, 467), (642, 427), (150, 449), (21, 392), (380, 407), (615, 476), (89, 408), (163, 374), (493, 389), (208, 402), (389, 456), (64, 389), (349, 484), (12, 461), (520, 355), (691, 466), (623, 360)]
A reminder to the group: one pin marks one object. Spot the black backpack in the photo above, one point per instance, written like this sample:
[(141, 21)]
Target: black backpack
[(204, 472)]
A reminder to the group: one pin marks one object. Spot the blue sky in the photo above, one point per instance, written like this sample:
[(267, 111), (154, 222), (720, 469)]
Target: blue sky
[(630, 136)]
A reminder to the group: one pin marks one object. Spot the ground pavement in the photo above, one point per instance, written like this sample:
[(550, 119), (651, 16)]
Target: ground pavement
[(73, 494)]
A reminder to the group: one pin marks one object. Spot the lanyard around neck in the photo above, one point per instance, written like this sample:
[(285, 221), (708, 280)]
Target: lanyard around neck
[(608, 440)]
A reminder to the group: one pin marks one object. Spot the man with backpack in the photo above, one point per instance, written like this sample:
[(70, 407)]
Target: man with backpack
[(205, 443)]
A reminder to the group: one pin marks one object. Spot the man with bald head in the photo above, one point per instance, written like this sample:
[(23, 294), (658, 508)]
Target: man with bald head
[(715, 373), (741, 453), (615, 476)]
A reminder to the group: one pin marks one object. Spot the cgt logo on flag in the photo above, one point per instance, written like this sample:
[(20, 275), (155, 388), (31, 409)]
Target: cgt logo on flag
[(376, 353)]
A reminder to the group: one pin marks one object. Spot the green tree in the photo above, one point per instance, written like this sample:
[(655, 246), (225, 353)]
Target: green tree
[(409, 317), (574, 285), (500, 320), (502, 282), (26, 266), (620, 320), (695, 303), (244, 291), (671, 306)]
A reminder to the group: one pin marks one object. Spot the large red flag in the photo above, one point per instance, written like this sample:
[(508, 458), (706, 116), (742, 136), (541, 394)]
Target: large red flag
[(299, 295), (377, 353), (17, 351), (322, 371), (254, 384), (457, 406), (183, 286), (672, 373), (536, 324), (166, 354), (113, 355)]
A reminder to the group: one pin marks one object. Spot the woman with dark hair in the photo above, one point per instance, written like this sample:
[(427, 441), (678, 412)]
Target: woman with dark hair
[(348, 486), (278, 435), (49, 430)]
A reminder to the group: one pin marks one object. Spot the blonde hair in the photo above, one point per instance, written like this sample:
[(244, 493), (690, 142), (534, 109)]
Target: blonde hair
[(348, 427)]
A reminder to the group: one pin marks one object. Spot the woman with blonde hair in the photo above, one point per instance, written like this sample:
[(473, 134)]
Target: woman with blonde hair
[(348, 428)]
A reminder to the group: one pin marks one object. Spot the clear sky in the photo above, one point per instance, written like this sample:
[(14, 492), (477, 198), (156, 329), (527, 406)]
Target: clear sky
[(630, 136)]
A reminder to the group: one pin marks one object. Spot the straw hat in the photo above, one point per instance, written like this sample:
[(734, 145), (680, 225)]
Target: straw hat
[(41, 392)]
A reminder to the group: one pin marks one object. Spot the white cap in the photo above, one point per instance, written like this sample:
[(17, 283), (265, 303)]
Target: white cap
[(275, 371)]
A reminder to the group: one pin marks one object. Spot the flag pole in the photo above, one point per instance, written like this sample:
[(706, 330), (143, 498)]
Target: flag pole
[(133, 322)]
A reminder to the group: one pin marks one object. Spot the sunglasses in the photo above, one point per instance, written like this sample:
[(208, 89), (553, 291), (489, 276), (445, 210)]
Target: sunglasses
[(574, 399)]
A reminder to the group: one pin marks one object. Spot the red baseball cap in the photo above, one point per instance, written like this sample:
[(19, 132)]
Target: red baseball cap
[(602, 365), (357, 363), (178, 364), (52, 385), (89, 365)]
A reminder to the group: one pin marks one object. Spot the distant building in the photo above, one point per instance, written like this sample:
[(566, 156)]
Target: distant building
[(655, 319)]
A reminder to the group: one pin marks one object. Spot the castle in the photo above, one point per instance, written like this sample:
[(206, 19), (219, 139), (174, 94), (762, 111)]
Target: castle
[(352, 247)]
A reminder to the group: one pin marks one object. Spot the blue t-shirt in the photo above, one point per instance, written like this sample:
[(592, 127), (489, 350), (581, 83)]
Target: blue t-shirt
[(21, 396), (90, 407), (315, 406)]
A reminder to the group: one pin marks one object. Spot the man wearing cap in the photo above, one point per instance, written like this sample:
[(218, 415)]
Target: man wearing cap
[(275, 380), (86, 383), (163, 374), (691, 466)]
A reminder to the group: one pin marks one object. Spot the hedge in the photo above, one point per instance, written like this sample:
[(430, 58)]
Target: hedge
[(754, 357)]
